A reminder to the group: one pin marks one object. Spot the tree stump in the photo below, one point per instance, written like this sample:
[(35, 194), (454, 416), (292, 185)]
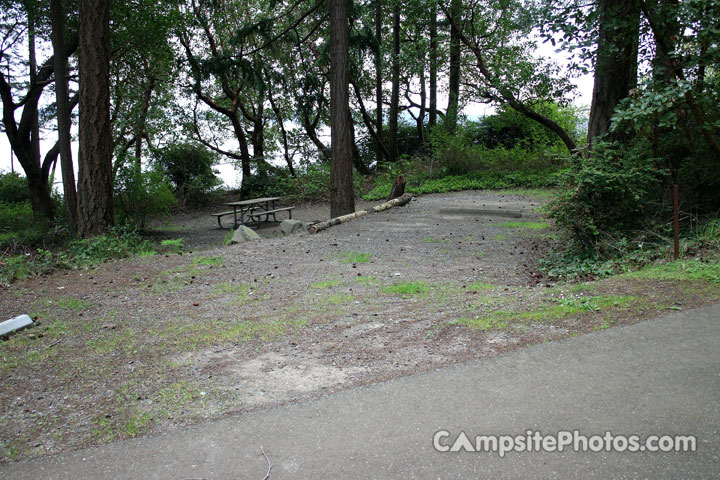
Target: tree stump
[(398, 188)]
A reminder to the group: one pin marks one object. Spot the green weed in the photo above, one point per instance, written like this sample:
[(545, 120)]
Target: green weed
[(356, 257), (407, 288), (681, 270), (325, 284), (74, 304)]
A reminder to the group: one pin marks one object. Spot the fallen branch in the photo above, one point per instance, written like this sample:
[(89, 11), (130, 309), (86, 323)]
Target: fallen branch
[(395, 202), (360, 213)]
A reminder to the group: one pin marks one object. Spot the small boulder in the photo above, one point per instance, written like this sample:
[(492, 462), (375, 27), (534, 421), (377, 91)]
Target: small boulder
[(244, 234), (288, 227)]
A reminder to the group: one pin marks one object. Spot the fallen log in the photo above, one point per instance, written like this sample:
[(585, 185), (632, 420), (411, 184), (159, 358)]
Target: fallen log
[(395, 202), (360, 213), (336, 221)]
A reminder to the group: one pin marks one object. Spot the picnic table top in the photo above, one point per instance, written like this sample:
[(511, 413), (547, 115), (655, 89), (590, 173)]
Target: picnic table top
[(252, 201)]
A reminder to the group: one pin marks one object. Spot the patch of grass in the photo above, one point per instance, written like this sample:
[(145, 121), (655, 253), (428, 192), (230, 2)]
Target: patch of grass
[(231, 288), (681, 270), (499, 238), (356, 257), (208, 261), (480, 287), (172, 245), (481, 323), (192, 334), (478, 254), (563, 308), (325, 284), (407, 288), (337, 299), (74, 304), (525, 225), (582, 287), (369, 280), (108, 343)]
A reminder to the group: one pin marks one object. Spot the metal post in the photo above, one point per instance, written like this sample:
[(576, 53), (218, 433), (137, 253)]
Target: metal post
[(676, 221)]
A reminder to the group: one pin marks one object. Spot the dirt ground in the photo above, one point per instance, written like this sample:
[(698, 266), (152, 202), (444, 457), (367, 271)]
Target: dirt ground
[(148, 344)]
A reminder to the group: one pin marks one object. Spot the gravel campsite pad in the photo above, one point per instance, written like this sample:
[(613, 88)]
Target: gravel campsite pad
[(151, 343)]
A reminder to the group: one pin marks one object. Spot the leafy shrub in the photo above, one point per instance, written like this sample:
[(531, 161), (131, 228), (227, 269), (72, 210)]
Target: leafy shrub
[(139, 195), (13, 188), (118, 243), (18, 230), (608, 195), (188, 167)]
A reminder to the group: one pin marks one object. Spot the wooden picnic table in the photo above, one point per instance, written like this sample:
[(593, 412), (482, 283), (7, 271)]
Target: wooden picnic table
[(253, 210)]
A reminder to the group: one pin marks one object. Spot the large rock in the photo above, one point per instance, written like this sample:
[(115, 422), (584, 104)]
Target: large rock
[(288, 227), (15, 324), (244, 234)]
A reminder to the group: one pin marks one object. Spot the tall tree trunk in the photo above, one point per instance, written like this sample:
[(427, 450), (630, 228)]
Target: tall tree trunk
[(39, 188), (421, 114), (432, 119), (283, 132), (395, 92), (95, 189), (32, 63), (342, 198), (378, 82), (616, 62), (454, 80), (63, 113)]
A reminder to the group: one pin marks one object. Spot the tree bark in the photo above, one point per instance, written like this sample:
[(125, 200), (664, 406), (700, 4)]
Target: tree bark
[(392, 143), (342, 198), (454, 80), (381, 150), (616, 62), (64, 120), (432, 119), (95, 201)]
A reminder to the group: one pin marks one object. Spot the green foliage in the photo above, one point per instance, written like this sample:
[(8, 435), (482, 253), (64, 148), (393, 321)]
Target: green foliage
[(188, 167), (682, 270), (509, 129), (172, 245), (18, 230), (13, 188), (88, 252), (407, 288), (612, 193), (481, 180), (356, 257), (140, 195)]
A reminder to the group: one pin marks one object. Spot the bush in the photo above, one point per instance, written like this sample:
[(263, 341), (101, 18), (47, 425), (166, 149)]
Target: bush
[(139, 195), (609, 195), (188, 167), (13, 188)]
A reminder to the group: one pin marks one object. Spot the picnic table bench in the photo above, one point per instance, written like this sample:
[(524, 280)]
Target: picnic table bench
[(256, 210)]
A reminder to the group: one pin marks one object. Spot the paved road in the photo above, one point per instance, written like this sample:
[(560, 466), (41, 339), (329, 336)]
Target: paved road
[(656, 377)]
